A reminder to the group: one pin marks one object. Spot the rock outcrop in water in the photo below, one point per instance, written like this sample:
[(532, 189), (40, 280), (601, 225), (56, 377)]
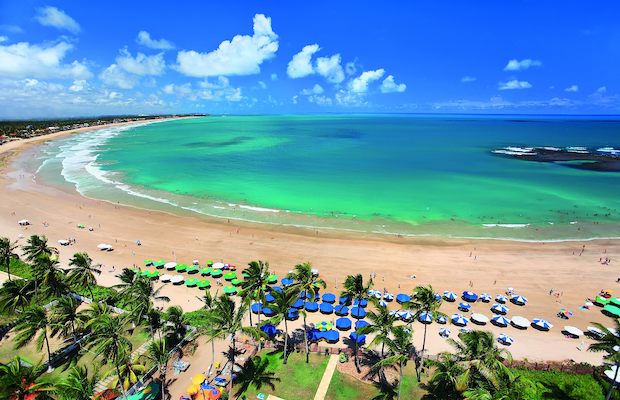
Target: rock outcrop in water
[(605, 159)]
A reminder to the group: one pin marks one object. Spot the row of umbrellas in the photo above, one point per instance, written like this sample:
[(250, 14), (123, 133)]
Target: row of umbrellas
[(484, 297)]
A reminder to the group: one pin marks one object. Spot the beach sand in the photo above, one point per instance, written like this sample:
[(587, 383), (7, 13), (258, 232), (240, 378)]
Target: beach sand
[(447, 264)]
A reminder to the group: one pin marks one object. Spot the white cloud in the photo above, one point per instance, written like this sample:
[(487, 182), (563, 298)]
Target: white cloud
[(330, 68), (25, 60), (360, 84), (78, 85), (350, 68), (262, 85), (601, 90), (514, 84), (572, 88), (144, 39), (389, 86), (301, 63), (242, 55), (3, 39), (316, 89), (516, 65), (320, 100), (52, 16), (141, 64), (116, 76), (274, 77), (467, 79), (348, 98), (218, 90)]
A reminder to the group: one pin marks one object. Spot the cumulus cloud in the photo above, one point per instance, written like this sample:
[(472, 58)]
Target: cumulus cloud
[(262, 85), (330, 68), (144, 39), (25, 60), (360, 84), (274, 77), (467, 79), (514, 84), (572, 88), (3, 39), (217, 90), (52, 16), (320, 100), (141, 64), (78, 85), (242, 55), (117, 77), (516, 65), (301, 63), (389, 86), (316, 89), (350, 68)]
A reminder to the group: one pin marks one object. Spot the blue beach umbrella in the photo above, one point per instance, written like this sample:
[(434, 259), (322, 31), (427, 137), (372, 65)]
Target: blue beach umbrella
[(360, 303), (256, 308), (460, 320), (311, 306), (292, 314), (405, 315), (277, 289), (286, 281), (469, 296), (437, 296), (505, 339), (331, 336), (383, 303), (499, 308), (542, 324), (360, 324), (444, 332), (326, 308), (269, 329), (485, 297), (358, 312), (269, 298), (464, 306), (344, 300), (425, 318), (344, 324), (341, 310), (314, 335), (268, 312), (375, 293), (329, 298), (442, 320), (299, 303), (402, 298), (388, 297), (449, 296), (519, 300), (500, 320), (500, 298), (360, 339)]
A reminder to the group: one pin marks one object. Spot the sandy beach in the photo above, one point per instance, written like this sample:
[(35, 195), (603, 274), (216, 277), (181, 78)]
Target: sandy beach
[(570, 268)]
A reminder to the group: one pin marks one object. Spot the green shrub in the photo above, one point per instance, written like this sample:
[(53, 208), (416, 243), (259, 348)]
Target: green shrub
[(561, 385), (196, 318)]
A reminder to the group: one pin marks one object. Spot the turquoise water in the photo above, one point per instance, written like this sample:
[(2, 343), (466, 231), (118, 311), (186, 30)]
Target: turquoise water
[(405, 174)]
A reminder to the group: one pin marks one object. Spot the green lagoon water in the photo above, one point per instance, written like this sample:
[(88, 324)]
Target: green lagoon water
[(396, 174)]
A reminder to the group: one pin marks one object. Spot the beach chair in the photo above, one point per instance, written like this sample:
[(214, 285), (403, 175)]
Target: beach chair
[(220, 381)]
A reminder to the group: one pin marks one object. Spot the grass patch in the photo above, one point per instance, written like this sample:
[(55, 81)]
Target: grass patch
[(19, 268), (347, 387), (298, 380), (563, 385)]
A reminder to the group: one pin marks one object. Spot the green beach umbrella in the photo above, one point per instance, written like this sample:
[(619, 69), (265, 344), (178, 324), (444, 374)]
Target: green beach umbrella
[(245, 274), (159, 263), (143, 272), (229, 276), (230, 289), (192, 269), (216, 273), (153, 274), (209, 262), (615, 301), (613, 310), (148, 262), (236, 281), (204, 284), (205, 271), (272, 278), (180, 267), (191, 282), (601, 300)]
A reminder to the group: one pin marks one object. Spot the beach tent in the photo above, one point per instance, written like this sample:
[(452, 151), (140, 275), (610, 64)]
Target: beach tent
[(203, 284), (402, 298), (444, 332), (499, 308), (326, 308), (479, 318), (170, 265), (518, 300), (230, 289), (360, 324), (287, 281), (360, 303), (343, 324), (442, 320), (576, 332), (520, 322), (425, 318), (505, 339), (460, 320), (464, 306), (358, 312), (542, 324), (500, 320), (329, 298), (500, 298), (344, 300), (292, 314), (341, 310), (311, 306), (469, 296), (360, 339), (298, 304), (449, 296)]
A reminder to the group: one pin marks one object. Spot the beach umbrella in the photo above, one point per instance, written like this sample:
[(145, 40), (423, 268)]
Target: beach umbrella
[(180, 267), (229, 276), (464, 330), (277, 289), (359, 324), (358, 312), (218, 265), (331, 336), (343, 324), (360, 303), (216, 273), (442, 320), (469, 296), (479, 318), (326, 308), (298, 304), (444, 332), (460, 320), (198, 379), (500, 298), (449, 296), (26, 222), (311, 306), (329, 298), (203, 284), (256, 308), (269, 298), (191, 269), (143, 272), (601, 301), (520, 322), (360, 339), (402, 298), (292, 314), (485, 297), (159, 263), (405, 315), (236, 281), (464, 306), (500, 320), (374, 293), (612, 373), (230, 289), (268, 312), (148, 262), (177, 279), (344, 300), (314, 271), (499, 308), (565, 313), (505, 339), (170, 265), (286, 281), (613, 310), (388, 297), (542, 324), (272, 278), (595, 331), (519, 300), (573, 331), (205, 271), (425, 318), (269, 329), (195, 262), (191, 282), (341, 310), (615, 301), (165, 278), (383, 303)]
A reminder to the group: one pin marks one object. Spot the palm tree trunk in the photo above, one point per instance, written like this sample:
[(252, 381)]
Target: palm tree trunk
[(285, 340), (212, 353), (92, 297), (260, 310), (400, 382), (419, 369), (613, 383), (230, 384), (251, 315), (8, 267), (357, 365), (163, 382), (49, 353), (306, 339), (120, 382)]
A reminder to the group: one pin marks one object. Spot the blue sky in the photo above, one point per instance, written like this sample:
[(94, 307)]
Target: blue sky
[(74, 58)]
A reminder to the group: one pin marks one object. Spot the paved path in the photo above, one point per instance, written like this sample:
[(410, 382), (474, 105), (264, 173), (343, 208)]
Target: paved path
[(104, 384), (327, 377)]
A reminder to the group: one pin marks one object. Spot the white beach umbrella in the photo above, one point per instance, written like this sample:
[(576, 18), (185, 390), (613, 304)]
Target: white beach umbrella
[(377, 295), (170, 265), (218, 265), (449, 296), (314, 271), (374, 292), (520, 322), (444, 332), (442, 320), (464, 330), (177, 279), (165, 278), (573, 330), (500, 320), (595, 331), (195, 262), (404, 314), (479, 318), (388, 297), (23, 222), (611, 373), (63, 242), (425, 318), (383, 303), (102, 246)]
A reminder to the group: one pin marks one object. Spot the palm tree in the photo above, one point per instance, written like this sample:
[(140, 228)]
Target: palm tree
[(19, 380), (142, 295), (254, 285), (425, 300), (256, 373), (83, 272), (127, 277), (401, 349), (354, 287), (37, 247), (78, 385), (381, 324), (34, 325), (63, 318), (227, 317), (284, 300), (155, 322), (49, 276), (109, 341), (157, 353), (127, 373), (175, 323), (608, 342), (7, 253), (86, 317), (446, 382), (307, 282), (15, 294), (209, 302)]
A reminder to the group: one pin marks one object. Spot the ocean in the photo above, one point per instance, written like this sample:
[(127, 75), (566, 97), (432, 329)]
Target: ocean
[(420, 175)]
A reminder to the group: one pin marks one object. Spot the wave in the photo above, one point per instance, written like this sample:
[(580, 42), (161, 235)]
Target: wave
[(505, 225)]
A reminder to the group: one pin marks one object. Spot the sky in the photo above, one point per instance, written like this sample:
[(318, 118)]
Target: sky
[(87, 58)]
